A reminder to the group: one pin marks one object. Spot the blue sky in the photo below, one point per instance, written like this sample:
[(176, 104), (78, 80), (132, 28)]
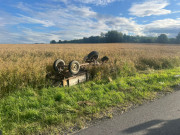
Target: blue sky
[(32, 21)]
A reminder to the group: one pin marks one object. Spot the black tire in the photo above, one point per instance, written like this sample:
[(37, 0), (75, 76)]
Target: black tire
[(104, 59), (58, 65), (93, 55), (74, 67), (85, 58)]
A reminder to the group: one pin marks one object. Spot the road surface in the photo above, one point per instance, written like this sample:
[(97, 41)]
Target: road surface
[(161, 117)]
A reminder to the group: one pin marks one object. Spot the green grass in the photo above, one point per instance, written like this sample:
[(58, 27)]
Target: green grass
[(55, 110)]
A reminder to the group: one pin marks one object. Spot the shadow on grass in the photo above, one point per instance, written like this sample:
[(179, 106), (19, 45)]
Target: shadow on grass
[(156, 127)]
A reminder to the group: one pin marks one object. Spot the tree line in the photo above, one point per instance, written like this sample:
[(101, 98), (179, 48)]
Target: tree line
[(118, 37)]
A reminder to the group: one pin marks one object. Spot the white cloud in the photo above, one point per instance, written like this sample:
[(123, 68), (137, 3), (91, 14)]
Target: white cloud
[(125, 25), (165, 23), (64, 1), (38, 37), (71, 22), (96, 2), (78, 22), (150, 7), (168, 26), (24, 7), (26, 36), (176, 12), (178, 3), (7, 19), (45, 23), (74, 22), (82, 11)]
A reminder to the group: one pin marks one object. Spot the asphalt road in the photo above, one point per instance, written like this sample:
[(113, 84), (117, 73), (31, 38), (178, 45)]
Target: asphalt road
[(161, 117)]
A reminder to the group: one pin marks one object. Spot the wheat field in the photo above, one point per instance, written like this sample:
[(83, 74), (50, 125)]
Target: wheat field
[(26, 65)]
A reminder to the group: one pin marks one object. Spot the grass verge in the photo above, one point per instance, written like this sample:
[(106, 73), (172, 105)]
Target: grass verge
[(55, 110)]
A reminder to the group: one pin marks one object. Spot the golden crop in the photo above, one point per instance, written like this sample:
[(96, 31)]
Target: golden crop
[(23, 65)]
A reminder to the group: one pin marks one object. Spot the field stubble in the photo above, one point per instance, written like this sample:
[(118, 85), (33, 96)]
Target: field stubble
[(26, 65)]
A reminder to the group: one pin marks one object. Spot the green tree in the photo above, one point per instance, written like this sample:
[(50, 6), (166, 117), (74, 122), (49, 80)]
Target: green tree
[(172, 40), (162, 38), (178, 38), (114, 36), (52, 42), (60, 41)]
